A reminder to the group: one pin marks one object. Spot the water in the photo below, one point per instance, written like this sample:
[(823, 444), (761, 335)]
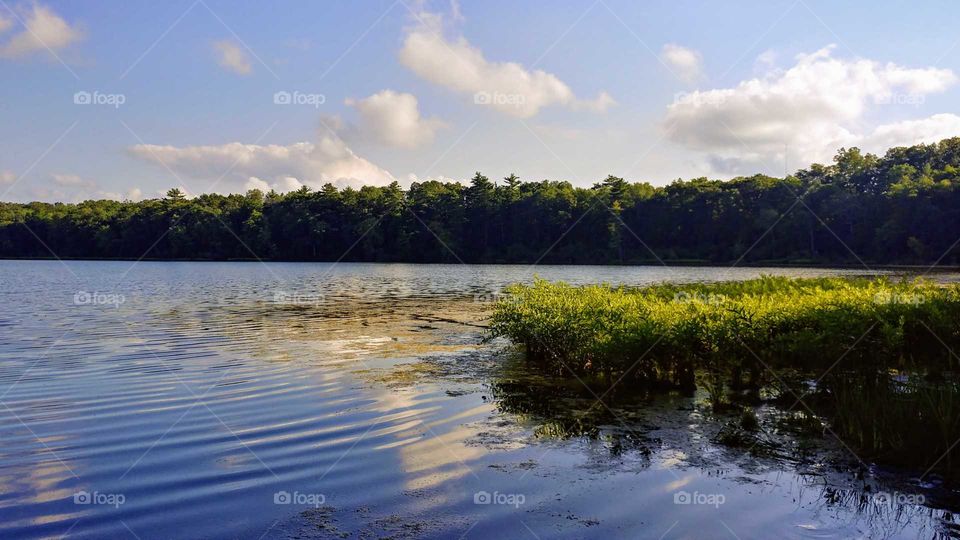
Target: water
[(250, 400)]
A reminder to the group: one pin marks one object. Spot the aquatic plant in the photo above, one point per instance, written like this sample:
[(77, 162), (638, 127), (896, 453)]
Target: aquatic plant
[(734, 327), (874, 355)]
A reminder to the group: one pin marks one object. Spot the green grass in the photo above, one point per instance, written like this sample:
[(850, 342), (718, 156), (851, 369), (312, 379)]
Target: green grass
[(879, 351)]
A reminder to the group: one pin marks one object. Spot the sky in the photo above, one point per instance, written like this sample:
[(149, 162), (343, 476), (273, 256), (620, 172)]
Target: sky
[(125, 100)]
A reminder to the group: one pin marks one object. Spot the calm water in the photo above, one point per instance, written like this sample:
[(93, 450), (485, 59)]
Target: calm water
[(248, 400)]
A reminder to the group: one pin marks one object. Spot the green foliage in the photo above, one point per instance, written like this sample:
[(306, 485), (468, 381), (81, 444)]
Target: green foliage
[(890, 209), (875, 355), (778, 322)]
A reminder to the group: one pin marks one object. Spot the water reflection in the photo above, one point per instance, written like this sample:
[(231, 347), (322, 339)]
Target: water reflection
[(202, 396), (564, 408), (670, 431)]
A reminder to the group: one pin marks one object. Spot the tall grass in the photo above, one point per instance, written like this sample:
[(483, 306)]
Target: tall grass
[(873, 354)]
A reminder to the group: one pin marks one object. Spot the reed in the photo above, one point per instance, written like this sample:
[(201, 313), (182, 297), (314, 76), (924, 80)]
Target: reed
[(874, 356)]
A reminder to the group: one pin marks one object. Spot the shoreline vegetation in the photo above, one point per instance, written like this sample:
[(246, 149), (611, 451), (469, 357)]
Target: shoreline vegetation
[(899, 208), (871, 360)]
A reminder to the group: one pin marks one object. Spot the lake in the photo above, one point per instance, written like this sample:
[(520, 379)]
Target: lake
[(296, 400)]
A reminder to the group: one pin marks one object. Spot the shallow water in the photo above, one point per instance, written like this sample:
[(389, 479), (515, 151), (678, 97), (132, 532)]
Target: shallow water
[(250, 400)]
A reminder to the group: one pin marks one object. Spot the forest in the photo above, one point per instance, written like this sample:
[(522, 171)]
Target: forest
[(863, 209)]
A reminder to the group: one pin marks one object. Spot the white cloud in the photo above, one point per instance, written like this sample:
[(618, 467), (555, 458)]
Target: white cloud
[(599, 104), (133, 194), (71, 180), (7, 177), (812, 108), (766, 60), (685, 63), (44, 31), (76, 194), (412, 177), (232, 57), (505, 86), (284, 185), (910, 132), (327, 161), (75, 188), (255, 183), (394, 118), (455, 13)]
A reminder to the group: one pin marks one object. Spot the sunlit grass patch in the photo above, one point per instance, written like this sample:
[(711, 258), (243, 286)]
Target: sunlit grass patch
[(875, 355)]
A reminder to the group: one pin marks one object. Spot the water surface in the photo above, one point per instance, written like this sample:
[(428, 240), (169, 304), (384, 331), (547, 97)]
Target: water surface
[(279, 400)]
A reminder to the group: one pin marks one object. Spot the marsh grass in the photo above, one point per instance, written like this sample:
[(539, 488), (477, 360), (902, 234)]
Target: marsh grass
[(874, 356)]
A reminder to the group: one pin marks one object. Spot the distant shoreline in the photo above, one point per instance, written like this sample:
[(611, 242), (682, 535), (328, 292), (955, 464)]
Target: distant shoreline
[(681, 263)]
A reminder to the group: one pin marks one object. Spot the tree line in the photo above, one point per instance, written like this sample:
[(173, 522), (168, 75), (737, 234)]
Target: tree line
[(902, 207)]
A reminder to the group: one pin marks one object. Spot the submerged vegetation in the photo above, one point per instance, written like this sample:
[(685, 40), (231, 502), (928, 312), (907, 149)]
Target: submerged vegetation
[(872, 356), (861, 208)]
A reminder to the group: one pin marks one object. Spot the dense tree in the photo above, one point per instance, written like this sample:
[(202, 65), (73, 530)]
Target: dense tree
[(903, 207)]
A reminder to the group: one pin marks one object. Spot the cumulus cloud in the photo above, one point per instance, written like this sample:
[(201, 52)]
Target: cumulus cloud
[(71, 180), (74, 191), (599, 104), (685, 63), (232, 57), (255, 183), (812, 109), (413, 177), (505, 86), (284, 185), (910, 132), (75, 188), (133, 194), (765, 61), (393, 118), (313, 164), (43, 31)]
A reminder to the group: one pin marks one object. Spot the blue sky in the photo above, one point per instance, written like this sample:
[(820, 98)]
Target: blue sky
[(413, 90)]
